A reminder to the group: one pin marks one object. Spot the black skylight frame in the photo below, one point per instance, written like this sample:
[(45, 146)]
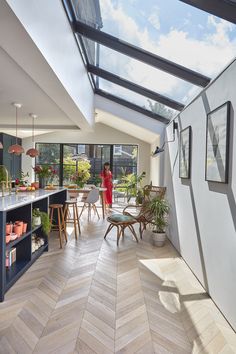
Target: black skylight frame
[(81, 29), (225, 9)]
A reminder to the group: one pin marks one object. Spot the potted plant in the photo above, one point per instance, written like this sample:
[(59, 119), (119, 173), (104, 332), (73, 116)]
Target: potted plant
[(41, 218), (133, 184), (36, 221), (44, 173), (82, 174), (158, 208)]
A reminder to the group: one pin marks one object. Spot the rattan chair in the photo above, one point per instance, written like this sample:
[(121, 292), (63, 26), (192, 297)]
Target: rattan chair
[(140, 212)]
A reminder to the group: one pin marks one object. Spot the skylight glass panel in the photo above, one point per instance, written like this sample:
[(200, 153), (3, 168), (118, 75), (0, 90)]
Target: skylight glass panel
[(140, 73), (171, 29), (136, 98)]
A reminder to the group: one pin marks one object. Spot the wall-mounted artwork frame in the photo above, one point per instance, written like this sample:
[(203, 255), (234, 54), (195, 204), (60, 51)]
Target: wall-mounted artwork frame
[(185, 150), (217, 144)]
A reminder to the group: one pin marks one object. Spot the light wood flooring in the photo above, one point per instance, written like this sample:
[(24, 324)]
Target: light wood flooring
[(92, 297)]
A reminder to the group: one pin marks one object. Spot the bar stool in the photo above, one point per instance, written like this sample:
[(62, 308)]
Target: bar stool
[(68, 218), (60, 224)]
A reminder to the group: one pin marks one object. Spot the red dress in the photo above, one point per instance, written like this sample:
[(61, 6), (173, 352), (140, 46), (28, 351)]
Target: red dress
[(107, 183)]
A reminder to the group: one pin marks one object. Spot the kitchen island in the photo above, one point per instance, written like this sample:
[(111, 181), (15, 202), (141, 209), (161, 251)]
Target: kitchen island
[(19, 206)]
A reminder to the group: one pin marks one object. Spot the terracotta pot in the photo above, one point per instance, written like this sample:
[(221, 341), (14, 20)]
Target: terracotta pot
[(24, 227), (18, 229), (9, 228), (8, 238)]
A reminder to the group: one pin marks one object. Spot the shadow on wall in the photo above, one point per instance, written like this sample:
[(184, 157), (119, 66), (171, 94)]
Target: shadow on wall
[(173, 230), (222, 187), (188, 183)]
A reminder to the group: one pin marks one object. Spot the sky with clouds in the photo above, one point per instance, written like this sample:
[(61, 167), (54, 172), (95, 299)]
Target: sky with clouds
[(170, 29)]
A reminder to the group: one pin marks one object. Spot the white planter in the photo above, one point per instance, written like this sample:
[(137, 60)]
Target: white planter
[(36, 220), (158, 238)]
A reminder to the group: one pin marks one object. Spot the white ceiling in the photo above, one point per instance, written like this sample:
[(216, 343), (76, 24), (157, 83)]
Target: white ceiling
[(26, 77), (125, 126), (17, 86)]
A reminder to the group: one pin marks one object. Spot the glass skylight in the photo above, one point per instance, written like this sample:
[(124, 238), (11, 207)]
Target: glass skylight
[(171, 29), (136, 98), (140, 73)]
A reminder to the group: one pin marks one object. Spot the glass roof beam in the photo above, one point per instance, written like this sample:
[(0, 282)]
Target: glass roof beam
[(225, 9), (132, 106), (141, 55), (134, 87)]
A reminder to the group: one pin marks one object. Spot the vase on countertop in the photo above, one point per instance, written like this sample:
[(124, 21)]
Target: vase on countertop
[(42, 182)]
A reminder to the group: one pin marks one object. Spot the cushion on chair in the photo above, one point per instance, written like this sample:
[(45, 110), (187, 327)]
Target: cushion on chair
[(120, 218)]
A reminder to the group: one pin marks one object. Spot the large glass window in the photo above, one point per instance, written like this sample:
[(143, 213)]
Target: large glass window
[(62, 157), (49, 155)]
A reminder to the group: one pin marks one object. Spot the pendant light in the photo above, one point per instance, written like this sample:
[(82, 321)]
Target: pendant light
[(32, 152), (16, 149)]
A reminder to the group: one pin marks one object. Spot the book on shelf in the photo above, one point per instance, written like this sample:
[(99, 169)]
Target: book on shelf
[(10, 257)]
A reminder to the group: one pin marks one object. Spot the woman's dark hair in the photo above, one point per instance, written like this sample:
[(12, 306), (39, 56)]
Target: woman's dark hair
[(105, 164)]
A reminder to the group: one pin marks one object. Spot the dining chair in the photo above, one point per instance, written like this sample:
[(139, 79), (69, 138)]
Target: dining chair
[(89, 202)]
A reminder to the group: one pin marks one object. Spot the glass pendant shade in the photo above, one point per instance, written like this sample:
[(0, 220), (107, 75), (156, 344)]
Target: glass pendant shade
[(32, 152), (16, 149)]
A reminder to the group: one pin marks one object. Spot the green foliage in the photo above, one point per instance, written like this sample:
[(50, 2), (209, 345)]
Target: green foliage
[(133, 185), (96, 180), (4, 175), (45, 221), (46, 225), (44, 171), (82, 174), (159, 208), (69, 168)]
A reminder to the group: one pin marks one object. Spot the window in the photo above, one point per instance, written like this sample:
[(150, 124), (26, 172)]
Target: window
[(117, 150), (122, 158)]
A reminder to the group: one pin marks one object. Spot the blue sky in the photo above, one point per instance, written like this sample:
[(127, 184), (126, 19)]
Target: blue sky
[(173, 30)]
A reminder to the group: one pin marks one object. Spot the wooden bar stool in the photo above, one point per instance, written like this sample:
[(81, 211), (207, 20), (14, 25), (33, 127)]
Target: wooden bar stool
[(60, 224), (74, 218)]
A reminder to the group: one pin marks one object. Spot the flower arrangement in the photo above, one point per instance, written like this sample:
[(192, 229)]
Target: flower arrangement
[(44, 171), (23, 180), (82, 174)]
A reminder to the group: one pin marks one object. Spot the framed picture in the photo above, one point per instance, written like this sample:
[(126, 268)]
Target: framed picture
[(185, 152), (217, 144)]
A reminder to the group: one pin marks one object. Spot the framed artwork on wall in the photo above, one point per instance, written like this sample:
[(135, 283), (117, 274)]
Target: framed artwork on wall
[(185, 152), (217, 144)]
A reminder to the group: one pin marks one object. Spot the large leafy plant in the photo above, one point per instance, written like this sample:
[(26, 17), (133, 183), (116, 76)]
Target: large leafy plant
[(82, 174), (133, 184), (158, 208)]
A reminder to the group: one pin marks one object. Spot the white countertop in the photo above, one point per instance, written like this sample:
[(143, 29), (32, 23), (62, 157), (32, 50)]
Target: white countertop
[(18, 199)]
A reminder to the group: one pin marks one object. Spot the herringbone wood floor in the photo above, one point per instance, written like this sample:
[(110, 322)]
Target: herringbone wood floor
[(92, 297)]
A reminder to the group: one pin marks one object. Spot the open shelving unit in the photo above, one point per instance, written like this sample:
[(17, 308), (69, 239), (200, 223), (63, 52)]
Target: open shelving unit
[(24, 256)]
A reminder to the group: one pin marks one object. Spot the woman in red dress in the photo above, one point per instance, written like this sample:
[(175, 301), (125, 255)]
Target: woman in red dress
[(106, 176)]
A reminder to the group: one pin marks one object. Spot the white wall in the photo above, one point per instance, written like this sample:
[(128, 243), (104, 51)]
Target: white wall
[(203, 214), (101, 135), (47, 24)]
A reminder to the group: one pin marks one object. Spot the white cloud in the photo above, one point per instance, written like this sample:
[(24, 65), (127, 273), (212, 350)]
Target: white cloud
[(207, 55), (154, 18)]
